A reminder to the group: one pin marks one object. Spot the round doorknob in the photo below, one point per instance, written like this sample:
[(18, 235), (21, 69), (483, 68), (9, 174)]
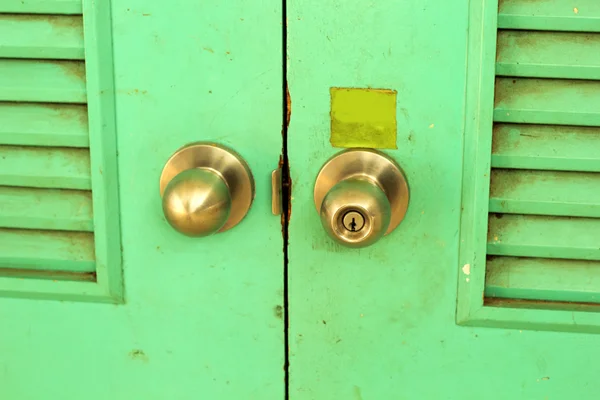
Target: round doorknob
[(205, 188), (361, 195)]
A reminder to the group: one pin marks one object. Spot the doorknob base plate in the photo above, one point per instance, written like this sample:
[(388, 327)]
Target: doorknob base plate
[(223, 161), (368, 164)]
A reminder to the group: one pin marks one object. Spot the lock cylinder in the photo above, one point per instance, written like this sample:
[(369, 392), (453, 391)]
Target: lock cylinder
[(361, 195), (355, 212)]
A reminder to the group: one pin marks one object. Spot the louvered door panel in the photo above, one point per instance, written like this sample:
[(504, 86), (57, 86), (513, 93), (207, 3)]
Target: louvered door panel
[(53, 214), (544, 223)]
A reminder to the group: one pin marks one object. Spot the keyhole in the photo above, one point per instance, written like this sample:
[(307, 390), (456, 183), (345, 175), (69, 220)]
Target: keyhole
[(353, 221), (353, 225)]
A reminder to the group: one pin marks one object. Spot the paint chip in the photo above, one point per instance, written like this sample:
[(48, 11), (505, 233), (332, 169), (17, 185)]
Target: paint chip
[(576, 10), (431, 126), (468, 279), (466, 269)]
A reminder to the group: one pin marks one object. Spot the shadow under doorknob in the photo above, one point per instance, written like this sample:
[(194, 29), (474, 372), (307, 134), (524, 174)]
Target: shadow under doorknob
[(206, 188)]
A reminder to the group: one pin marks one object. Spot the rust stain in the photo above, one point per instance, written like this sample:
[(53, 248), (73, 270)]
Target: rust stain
[(72, 68), (56, 21), (70, 112), (131, 92), (278, 311), (50, 275), (138, 354), (65, 21), (208, 49), (288, 101), (539, 304), (146, 15)]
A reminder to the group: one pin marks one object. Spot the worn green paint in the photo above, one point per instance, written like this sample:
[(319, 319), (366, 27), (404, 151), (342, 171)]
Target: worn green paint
[(199, 317), (41, 36), (517, 191), (543, 236), (46, 251), (42, 81), (363, 118), (379, 323), (41, 6), (548, 54), (550, 15), (542, 101), (542, 279), (562, 236), (49, 167), (535, 147), (53, 209), (31, 124)]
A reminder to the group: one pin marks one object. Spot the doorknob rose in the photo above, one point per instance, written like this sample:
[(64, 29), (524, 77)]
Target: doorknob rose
[(205, 188), (361, 195)]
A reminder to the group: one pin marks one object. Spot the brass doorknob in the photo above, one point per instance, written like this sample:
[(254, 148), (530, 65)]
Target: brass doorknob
[(205, 188), (361, 195)]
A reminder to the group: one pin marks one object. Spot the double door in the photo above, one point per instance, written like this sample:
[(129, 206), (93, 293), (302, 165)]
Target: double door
[(274, 307)]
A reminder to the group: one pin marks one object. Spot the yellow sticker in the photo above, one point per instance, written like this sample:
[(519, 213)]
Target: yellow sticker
[(363, 118)]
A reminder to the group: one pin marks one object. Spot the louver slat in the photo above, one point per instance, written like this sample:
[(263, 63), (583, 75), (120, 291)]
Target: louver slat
[(41, 6), (41, 36), (548, 54), (543, 279), (42, 81), (51, 209), (46, 250), (57, 168), (547, 101), (552, 15), (545, 193), (32, 124), (544, 236), (546, 147)]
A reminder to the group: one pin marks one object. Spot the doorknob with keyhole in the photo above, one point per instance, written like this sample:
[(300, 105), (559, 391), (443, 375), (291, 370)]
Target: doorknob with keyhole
[(361, 195), (206, 188)]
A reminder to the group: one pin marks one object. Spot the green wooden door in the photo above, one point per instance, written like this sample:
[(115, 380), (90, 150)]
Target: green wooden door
[(196, 318), (381, 322), (487, 289)]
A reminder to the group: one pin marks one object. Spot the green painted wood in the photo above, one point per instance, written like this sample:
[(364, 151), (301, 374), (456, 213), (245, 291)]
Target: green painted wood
[(100, 79), (42, 81), (196, 317), (31, 124), (41, 6), (475, 169), (547, 101), (541, 236), (65, 210), (41, 36), (47, 250), (547, 147), (58, 168), (543, 279), (551, 15), (548, 54), (497, 313), (573, 194), (575, 318), (54, 276)]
